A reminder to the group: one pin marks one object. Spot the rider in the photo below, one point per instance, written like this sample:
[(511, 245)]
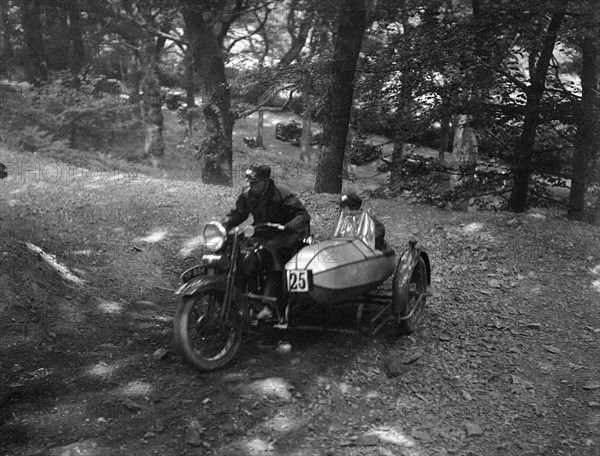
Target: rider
[(270, 203), (354, 202)]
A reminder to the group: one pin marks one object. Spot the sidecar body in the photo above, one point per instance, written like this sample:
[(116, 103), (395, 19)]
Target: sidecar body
[(341, 268)]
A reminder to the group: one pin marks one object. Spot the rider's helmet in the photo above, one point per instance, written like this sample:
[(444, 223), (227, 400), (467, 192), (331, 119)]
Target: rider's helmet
[(257, 172), (351, 201)]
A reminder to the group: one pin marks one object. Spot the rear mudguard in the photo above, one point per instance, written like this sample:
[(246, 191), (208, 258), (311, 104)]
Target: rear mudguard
[(406, 265), (201, 282), (409, 258)]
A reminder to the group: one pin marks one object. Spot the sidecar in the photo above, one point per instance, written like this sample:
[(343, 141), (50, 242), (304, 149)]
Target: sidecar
[(348, 268)]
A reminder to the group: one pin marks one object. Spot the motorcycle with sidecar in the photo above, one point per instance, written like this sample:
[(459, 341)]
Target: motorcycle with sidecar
[(222, 296)]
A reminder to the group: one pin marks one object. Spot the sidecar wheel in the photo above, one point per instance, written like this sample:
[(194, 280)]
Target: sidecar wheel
[(409, 295), (203, 339)]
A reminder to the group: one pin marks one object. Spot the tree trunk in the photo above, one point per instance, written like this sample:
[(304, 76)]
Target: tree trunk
[(75, 35), (352, 23), (151, 103), (586, 139), (465, 147), (259, 129), (189, 79), (397, 153), (134, 76), (35, 62), (6, 51), (217, 149), (522, 167), (444, 138), (305, 138), (190, 96)]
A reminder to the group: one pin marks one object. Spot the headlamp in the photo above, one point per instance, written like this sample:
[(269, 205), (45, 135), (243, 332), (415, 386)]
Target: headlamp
[(214, 236)]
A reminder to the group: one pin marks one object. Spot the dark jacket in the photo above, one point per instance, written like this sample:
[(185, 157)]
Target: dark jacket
[(276, 205)]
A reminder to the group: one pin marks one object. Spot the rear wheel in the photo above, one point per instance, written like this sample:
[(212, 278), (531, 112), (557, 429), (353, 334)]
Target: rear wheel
[(409, 295), (204, 339)]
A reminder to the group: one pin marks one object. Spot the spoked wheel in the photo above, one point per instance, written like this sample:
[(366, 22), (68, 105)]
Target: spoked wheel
[(409, 296), (204, 339)]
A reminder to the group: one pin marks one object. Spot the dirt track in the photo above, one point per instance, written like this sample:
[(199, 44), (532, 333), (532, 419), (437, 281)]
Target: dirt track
[(506, 363)]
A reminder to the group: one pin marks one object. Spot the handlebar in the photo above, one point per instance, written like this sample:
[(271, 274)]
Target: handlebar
[(271, 225)]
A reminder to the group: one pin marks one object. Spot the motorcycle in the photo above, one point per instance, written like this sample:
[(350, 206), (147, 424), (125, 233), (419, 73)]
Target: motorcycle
[(237, 278)]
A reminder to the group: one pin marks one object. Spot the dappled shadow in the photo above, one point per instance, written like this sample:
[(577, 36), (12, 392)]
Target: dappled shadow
[(596, 283), (157, 235)]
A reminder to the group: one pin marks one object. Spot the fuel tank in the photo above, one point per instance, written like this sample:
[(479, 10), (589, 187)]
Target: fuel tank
[(341, 269)]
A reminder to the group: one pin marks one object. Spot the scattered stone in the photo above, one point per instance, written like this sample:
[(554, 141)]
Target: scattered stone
[(467, 396), (412, 358), (84, 448), (160, 353), (420, 396), (159, 425), (234, 377), (149, 435), (473, 430), (551, 349), (494, 283), (512, 222), (594, 405), (283, 348), (420, 435), (193, 433), (534, 325), (131, 405), (393, 366), (367, 440), (107, 346), (591, 386), (445, 337)]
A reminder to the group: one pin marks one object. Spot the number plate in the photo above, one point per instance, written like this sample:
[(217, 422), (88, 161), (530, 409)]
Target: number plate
[(298, 281)]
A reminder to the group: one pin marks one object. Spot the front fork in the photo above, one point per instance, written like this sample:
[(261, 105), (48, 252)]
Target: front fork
[(231, 278)]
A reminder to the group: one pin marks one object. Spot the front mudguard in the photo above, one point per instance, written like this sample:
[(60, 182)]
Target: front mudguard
[(200, 283), (215, 282)]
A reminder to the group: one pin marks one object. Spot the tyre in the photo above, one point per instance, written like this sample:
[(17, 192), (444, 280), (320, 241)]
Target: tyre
[(203, 339), (409, 295)]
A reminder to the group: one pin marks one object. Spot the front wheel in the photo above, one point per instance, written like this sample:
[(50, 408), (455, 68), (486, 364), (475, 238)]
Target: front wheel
[(204, 339), (409, 295)]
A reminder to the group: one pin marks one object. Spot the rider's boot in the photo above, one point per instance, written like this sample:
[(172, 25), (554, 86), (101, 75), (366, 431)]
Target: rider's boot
[(273, 289)]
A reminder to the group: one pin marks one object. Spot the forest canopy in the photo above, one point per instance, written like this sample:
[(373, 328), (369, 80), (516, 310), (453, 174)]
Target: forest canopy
[(511, 83)]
